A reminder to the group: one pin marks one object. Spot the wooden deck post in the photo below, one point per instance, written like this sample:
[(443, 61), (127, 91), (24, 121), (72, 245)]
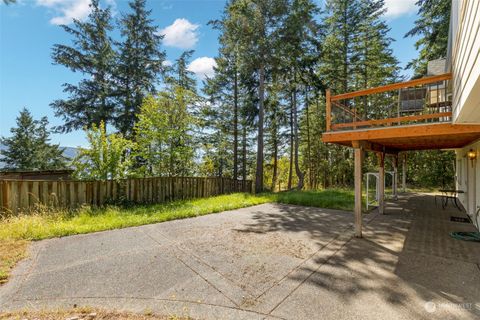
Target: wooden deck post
[(395, 177), (381, 182), (404, 172), (328, 110), (358, 190)]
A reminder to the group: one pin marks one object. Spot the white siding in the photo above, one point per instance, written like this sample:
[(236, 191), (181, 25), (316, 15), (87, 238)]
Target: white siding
[(465, 28), (468, 180)]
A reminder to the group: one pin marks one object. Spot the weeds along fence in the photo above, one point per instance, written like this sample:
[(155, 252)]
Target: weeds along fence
[(21, 195)]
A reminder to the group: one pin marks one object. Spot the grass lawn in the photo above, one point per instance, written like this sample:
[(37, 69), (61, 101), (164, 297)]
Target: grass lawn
[(15, 232), (330, 198)]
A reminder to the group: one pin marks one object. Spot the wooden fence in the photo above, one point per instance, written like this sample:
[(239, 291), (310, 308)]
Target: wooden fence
[(19, 195)]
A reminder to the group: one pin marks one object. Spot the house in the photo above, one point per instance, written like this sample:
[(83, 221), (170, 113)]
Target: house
[(439, 111), (464, 64)]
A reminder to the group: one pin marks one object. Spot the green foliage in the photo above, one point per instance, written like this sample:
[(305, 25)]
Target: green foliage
[(432, 27), (434, 168), (28, 148), (107, 156), (182, 77), (139, 64), (163, 133), (91, 100)]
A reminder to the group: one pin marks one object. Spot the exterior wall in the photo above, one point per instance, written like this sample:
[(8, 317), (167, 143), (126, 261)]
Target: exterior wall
[(468, 180), (464, 60)]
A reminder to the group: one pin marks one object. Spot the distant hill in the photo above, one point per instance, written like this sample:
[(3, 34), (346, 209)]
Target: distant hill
[(68, 152)]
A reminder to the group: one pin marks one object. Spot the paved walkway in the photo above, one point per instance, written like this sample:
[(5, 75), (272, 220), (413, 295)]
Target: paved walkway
[(269, 261)]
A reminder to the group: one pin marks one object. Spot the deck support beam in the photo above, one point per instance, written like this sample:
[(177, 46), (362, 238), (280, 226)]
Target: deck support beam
[(381, 182), (404, 173), (358, 189), (395, 177)]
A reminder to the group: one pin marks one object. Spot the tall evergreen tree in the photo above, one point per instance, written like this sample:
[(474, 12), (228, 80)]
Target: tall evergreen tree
[(256, 26), (432, 28), (90, 101), (299, 33), (181, 76), (139, 64), (29, 146), (227, 79), (430, 168)]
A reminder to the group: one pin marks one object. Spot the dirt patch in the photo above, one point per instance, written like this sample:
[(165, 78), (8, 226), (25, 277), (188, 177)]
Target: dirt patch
[(11, 251), (84, 314), (272, 242)]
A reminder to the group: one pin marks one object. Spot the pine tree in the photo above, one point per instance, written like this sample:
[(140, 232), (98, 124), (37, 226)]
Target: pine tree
[(256, 26), (181, 76), (432, 26), (430, 168), (374, 63), (139, 64), (217, 121), (29, 146), (91, 100), (226, 79), (299, 35)]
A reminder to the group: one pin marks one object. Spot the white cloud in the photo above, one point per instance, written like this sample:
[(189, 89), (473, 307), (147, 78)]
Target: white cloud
[(181, 34), (396, 8), (66, 10), (203, 67), (167, 63)]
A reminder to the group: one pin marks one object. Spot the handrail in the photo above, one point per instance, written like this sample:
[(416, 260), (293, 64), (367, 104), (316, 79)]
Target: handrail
[(393, 86), (391, 120)]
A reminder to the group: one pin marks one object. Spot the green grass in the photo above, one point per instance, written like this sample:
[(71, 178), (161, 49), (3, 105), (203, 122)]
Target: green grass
[(330, 198), (86, 220)]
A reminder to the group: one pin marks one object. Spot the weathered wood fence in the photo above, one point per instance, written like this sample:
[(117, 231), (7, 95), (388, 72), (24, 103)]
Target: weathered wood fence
[(19, 195)]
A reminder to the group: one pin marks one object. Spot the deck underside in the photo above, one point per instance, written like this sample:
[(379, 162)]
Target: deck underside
[(404, 138)]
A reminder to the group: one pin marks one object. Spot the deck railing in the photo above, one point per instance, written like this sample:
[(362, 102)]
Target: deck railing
[(425, 100)]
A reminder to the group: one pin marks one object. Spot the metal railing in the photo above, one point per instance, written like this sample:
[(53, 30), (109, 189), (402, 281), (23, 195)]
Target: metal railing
[(425, 100)]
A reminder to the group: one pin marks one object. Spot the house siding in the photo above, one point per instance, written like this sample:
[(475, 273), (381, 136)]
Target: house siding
[(465, 60), (468, 180)]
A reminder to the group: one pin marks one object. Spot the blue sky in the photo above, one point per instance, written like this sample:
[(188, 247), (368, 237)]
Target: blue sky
[(29, 29)]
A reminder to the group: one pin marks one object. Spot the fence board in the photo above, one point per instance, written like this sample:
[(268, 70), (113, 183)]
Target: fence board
[(18, 195)]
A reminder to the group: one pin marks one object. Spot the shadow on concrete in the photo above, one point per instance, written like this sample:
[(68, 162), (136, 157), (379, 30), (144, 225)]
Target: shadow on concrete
[(405, 259)]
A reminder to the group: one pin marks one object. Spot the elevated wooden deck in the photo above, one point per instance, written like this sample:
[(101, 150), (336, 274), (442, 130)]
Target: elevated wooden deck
[(408, 137), (412, 115)]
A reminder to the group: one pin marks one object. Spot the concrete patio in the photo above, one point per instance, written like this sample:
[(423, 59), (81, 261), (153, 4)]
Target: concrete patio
[(269, 261)]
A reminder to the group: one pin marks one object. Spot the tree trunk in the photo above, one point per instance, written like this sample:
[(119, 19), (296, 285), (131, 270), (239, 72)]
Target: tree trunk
[(345, 48), (290, 169), (309, 158), (235, 125), (298, 171), (244, 151), (261, 111), (275, 161)]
